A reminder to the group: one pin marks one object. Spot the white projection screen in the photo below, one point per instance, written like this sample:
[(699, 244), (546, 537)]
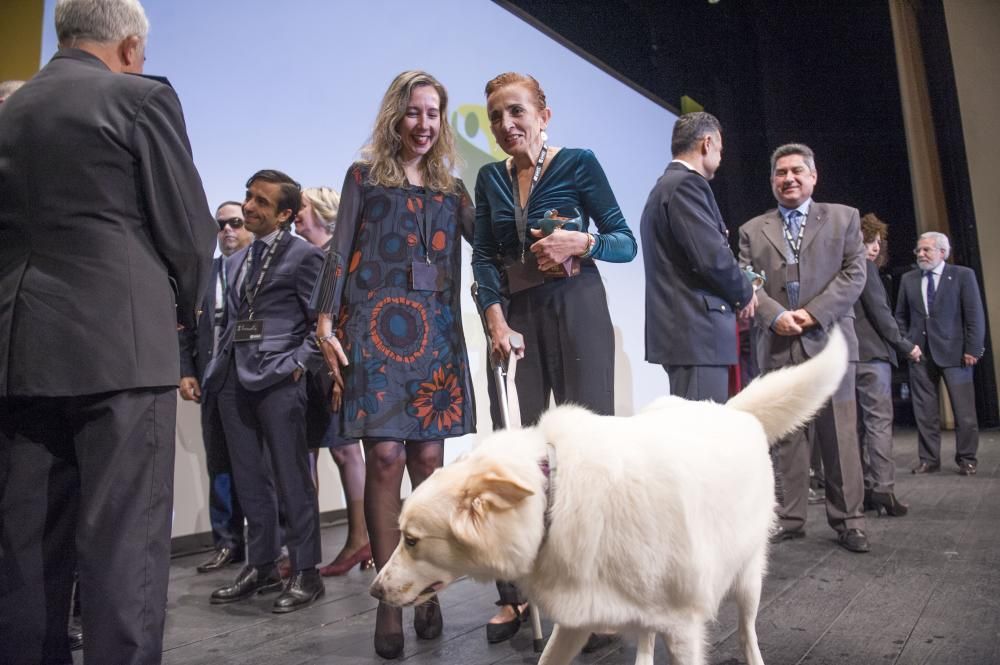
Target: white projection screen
[(295, 85)]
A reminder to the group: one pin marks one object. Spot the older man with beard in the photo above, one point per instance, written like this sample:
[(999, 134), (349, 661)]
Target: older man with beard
[(941, 310), (198, 346)]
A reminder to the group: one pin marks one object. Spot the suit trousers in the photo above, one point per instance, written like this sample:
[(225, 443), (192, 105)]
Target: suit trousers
[(835, 431), (86, 483), (270, 423), (224, 510), (925, 377), (699, 382), (873, 382), (569, 346)]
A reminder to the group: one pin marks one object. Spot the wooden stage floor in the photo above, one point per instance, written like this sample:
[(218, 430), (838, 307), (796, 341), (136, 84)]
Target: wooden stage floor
[(928, 593)]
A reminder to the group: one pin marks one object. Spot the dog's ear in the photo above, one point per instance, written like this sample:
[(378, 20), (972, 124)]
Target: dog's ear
[(485, 492)]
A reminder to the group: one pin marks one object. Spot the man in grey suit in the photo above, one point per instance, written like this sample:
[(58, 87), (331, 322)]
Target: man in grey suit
[(266, 346), (197, 348), (105, 247), (940, 308), (814, 261), (694, 286)]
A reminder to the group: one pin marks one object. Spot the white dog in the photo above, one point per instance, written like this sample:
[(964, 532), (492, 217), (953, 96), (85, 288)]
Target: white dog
[(638, 525)]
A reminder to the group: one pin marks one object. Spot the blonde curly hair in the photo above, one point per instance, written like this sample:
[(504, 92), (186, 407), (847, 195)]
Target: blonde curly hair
[(325, 202), (382, 153)]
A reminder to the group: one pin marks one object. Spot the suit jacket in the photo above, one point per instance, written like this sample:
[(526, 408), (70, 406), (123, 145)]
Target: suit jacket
[(831, 277), (878, 335), (196, 343), (106, 237), (956, 326), (694, 286), (283, 304)]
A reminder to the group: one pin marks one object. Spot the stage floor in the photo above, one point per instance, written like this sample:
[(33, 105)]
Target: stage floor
[(928, 593)]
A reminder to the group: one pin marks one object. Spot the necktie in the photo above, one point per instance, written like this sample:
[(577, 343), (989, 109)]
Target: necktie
[(794, 223), (257, 255), (794, 228), (930, 290)]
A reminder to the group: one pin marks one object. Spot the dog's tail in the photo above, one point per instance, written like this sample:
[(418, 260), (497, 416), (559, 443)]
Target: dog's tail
[(786, 399)]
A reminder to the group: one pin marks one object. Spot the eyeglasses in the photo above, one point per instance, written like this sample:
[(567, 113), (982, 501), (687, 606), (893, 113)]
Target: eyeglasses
[(925, 250), (234, 222)]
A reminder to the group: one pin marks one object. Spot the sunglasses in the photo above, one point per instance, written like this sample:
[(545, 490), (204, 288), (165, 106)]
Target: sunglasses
[(235, 222)]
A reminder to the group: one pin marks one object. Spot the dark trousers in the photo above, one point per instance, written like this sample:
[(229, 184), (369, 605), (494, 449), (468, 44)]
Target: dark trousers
[(925, 377), (224, 510), (873, 382), (569, 346), (86, 483), (835, 431), (271, 423), (699, 382)]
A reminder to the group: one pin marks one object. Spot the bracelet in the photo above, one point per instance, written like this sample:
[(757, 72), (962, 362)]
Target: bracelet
[(591, 243), (326, 338)]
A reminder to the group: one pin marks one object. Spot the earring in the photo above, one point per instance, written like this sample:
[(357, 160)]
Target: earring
[(545, 136)]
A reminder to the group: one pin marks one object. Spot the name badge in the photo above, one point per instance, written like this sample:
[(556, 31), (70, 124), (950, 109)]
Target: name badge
[(792, 272), (426, 276), (523, 276), (249, 330)]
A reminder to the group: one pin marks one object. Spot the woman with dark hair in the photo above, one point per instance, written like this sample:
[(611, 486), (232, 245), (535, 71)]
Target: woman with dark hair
[(390, 327), (878, 341), (534, 211)]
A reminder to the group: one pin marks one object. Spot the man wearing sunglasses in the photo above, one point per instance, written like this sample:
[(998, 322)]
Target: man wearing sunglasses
[(197, 347)]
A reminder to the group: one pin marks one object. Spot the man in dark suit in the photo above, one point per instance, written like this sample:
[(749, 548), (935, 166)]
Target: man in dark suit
[(266, 347), (105, 247), (940, 308), (694, 285), (197, 348), (814, 261)]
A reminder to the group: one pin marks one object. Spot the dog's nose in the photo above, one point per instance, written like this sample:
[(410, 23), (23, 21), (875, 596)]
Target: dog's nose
[(376, 590)]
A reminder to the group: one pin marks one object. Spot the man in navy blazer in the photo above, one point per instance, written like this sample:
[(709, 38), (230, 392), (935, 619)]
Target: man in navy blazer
[(105, 246), (198, 345), (941, 310), (266, 347), (694, 285)]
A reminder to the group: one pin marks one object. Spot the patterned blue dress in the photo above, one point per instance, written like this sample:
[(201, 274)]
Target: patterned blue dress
[(408, 377)]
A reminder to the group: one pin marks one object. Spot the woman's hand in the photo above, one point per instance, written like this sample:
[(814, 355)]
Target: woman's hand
[(333, 352), (553, 250), (500, 334)]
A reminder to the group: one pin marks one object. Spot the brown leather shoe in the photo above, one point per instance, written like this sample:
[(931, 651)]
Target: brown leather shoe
[(967, 469), (925, 467), (854, 540), (781, 533)]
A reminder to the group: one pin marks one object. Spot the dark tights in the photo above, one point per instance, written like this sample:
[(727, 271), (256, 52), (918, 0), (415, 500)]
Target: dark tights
[(385, 462)]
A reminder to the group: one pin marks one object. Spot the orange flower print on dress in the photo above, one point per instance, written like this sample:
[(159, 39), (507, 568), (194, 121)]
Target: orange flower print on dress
[(438, 401)]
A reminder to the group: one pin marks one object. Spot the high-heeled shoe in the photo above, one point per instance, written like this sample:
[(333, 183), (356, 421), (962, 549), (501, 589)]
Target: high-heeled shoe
[(888, 502), (388, 641), (427, 621), (340, 566), (501, 632)]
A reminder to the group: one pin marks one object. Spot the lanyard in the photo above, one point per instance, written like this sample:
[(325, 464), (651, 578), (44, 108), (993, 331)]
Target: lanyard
[(796, 243), (265, 264), (425, 227), (521, 213)]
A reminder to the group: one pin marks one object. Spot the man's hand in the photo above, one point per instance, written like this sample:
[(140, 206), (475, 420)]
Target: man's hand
[(747, 312), (786, 325), (969, 360), (915, 354), (804, 319), (553, 250), (336, 398), (190, 390)]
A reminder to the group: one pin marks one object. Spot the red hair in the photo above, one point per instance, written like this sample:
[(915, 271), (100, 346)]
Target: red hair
[(513, 78)]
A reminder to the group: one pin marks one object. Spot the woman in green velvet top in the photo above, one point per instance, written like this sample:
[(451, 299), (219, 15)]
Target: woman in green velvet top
[(569, 342)]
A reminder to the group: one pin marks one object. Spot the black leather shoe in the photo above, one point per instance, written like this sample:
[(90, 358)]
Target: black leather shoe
[(251, 580), (967, 469), (925, 467), (501, 632), (888, 502), (221, 558), (598, 641), (427, 621), (854, 540), (781, 534), (302, 590)]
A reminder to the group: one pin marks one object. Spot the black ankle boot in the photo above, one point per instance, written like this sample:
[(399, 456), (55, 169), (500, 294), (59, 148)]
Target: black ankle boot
[(427, 621), (389, 632), (887, 501)]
